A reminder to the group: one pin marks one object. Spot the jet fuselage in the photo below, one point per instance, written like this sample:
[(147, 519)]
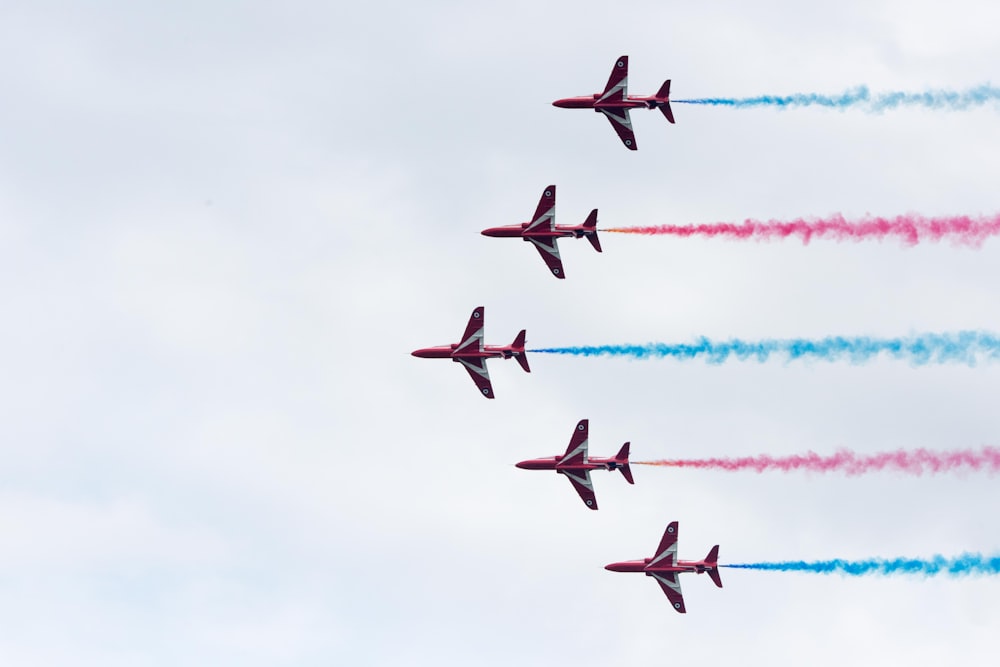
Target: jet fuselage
[(594, 102), (518, 231), (697, 566), (552, 463), (448, 352)]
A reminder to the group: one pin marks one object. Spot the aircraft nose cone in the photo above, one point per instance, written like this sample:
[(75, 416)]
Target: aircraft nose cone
[(559, 103), (522, 465), (621, 567), (419, 353)]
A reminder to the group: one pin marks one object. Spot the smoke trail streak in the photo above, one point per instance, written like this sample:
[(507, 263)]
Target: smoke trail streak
[(915, 462), (967, 564), (967, 347), (862, 98), (910, 229)]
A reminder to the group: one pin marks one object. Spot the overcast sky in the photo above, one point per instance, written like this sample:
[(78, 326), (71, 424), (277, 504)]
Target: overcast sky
[(224, 226)]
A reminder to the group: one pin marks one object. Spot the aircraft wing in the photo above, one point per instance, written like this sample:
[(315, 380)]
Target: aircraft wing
[(472, 339), (576, 452), (672, 587), (617, 88), (549, 251), (581, 482), (479, 374), (666, 553), (622, 123), (545, 213)]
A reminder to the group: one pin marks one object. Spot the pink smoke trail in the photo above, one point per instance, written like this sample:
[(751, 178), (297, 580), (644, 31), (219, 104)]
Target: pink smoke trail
[(911, 229), (915, 462)]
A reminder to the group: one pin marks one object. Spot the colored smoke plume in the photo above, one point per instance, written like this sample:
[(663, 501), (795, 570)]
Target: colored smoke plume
[(909, 229), (862, 98), (966, 347), (915, 462), (967, 564)]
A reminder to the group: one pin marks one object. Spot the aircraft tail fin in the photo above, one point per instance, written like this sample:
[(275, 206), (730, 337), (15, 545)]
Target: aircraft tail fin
[(663, 96), (712, 560), (519, 353), (621, 458), (590, 230)]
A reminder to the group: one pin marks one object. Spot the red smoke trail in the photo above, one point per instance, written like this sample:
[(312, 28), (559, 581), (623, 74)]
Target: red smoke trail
[(910, 229), (916, 462)]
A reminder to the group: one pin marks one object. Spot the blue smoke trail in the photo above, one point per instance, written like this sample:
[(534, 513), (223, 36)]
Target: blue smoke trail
[(966, 347), (862, 98), (967, 564)]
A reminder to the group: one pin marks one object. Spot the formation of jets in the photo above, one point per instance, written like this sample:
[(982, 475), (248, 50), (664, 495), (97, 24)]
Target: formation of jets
[(615, 102), (471, 351)]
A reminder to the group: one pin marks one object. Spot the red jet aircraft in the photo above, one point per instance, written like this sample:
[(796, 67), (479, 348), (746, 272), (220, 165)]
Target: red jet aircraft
[(543, 231), (615, 102), (664, 567), (576, 465), (472, 354)]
